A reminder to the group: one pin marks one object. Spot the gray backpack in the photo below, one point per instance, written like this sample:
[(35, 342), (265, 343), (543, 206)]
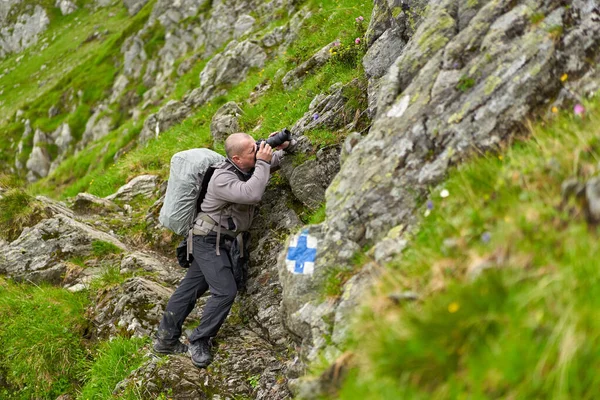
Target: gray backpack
[(186, 177)]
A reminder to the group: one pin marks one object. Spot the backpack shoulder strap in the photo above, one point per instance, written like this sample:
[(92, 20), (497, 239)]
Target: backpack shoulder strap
[(204, 186)]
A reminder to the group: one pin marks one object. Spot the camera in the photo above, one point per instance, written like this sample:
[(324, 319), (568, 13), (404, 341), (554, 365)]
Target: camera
[(276, 140)]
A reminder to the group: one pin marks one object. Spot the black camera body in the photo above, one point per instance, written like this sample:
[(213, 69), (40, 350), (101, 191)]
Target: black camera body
[(276, 140)]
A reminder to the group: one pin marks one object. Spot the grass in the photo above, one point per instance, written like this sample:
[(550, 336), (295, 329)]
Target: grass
[(41, 331), (113, 362), (101, 248), (507, 273), (18, 210)]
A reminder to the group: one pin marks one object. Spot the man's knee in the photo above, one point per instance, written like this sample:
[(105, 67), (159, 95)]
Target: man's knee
[(228, 296)]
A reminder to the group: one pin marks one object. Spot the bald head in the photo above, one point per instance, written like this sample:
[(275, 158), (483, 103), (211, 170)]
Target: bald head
[(237, 143)]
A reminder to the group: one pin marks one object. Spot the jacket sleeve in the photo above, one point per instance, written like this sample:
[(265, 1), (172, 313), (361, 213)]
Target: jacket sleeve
[(228, 187), (278, 155)]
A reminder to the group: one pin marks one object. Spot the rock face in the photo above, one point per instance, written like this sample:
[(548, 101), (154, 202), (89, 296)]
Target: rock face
[(39, 253), (463, 82), (132, 309), (172, 113), (24, 32), (225, 122)]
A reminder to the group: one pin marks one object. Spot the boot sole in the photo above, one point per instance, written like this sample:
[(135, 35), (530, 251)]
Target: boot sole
[(201, 365), (167, 352)]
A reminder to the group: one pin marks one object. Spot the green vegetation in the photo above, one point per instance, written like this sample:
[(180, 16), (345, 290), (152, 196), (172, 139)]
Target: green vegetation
[(465, 83), (101, 248), (18, 210), (42, 350), (115, 359), (507, 273)]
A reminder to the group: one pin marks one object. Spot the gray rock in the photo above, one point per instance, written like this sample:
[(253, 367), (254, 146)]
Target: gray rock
[(62, 137), (333, 110), (53, 207), (171, 114), (225, 121), (167, 270), (142, 185), (24, 33), (66, 6), (243, 26), (85, 204), (38, 164), (350, 143), (354, 292), (38, 252), (310, 179), (134, 6), (592, 195), (134, 57), (132, 309), (118, 88), (98, 126), (383, 53), (232, 65), (53, 111)]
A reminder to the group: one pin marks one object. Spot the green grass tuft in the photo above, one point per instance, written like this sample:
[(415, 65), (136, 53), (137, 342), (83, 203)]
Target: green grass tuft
[(18, 210), (114, 360), (41, 347)]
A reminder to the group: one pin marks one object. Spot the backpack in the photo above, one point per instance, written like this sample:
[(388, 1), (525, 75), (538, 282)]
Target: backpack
[(186, 188)]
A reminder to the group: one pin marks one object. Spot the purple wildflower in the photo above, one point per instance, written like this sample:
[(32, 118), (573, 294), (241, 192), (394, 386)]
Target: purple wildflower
[(315, 116), (579, 109), (429, 205), (486, 237)]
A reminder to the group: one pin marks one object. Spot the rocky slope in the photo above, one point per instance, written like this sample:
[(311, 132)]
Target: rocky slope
[(446, 80)]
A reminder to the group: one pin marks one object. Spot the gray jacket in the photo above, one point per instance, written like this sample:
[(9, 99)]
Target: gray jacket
[(228, 196)]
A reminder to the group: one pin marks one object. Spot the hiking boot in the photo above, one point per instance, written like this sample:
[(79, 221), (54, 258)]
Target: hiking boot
[(161, 347), (200, 352)]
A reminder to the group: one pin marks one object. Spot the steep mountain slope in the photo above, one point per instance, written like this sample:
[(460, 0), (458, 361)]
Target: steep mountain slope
[(384, 99)]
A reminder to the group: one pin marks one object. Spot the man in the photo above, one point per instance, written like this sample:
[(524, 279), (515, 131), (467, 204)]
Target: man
[(236, 186)]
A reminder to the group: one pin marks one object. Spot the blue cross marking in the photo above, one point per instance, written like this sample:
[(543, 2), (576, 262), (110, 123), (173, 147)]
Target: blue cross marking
[(301, 253)]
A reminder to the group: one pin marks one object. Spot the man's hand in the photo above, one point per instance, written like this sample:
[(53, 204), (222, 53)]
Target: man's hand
[(283, 145), (265, 152)]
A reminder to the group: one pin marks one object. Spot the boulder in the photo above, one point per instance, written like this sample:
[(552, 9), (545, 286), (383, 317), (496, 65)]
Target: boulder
[(310, 179), (133, 308), (167, 270), (62, 137), (134, 57), (592, 196), (243, 26), (225, 121), (134, 6), (171, 114), (142, 185), (24, 33), (335, 109), (38, 254), (38, 164), (86, 204), (98, 126), (66, 6), (232, 65)]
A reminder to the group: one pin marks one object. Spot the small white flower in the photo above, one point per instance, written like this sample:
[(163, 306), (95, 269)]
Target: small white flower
[(444, 193), (427, 212)]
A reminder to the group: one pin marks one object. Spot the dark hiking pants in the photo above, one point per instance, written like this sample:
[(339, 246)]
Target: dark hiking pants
[(207, 271)]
